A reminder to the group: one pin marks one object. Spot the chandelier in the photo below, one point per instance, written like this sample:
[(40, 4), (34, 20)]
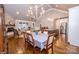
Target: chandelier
[(34, 12)]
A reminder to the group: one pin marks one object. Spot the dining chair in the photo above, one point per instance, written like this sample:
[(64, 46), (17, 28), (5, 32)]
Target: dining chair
[(45, 32), (30, 40), (28, 31), (21, 35), (49, 43)]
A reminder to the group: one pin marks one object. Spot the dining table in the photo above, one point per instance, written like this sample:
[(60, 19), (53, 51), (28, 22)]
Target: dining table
[(40, 39)]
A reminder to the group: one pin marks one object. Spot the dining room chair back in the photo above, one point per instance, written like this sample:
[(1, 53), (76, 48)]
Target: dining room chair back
[(31, 41), (45, 32), (49, 44)]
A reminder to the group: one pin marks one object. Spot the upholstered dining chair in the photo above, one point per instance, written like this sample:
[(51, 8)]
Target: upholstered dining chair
[(45, 32), (49, 43), (30, 40)]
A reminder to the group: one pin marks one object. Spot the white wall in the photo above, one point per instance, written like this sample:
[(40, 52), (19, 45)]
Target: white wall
[(73, 34), (50, 24)]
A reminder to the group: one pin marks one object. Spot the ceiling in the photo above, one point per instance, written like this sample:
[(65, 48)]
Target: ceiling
[(64, 7), (11, 9)]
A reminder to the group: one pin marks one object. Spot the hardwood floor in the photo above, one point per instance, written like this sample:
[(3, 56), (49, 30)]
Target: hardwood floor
[(17, 46)]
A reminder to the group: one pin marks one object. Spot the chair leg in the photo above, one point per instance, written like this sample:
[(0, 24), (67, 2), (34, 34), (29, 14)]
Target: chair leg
[(47, 51), (52, 49), (40, 51), (33, 50), (26, 45)]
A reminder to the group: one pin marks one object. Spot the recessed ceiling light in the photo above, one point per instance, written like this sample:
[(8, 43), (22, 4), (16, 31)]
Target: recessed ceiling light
[(17, 12), (27, 15), (56, 5), (49, 19), (36, 6), (30, 8)]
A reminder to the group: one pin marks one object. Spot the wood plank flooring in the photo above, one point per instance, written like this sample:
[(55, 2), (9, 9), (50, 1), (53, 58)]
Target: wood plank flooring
[(17, 46)]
